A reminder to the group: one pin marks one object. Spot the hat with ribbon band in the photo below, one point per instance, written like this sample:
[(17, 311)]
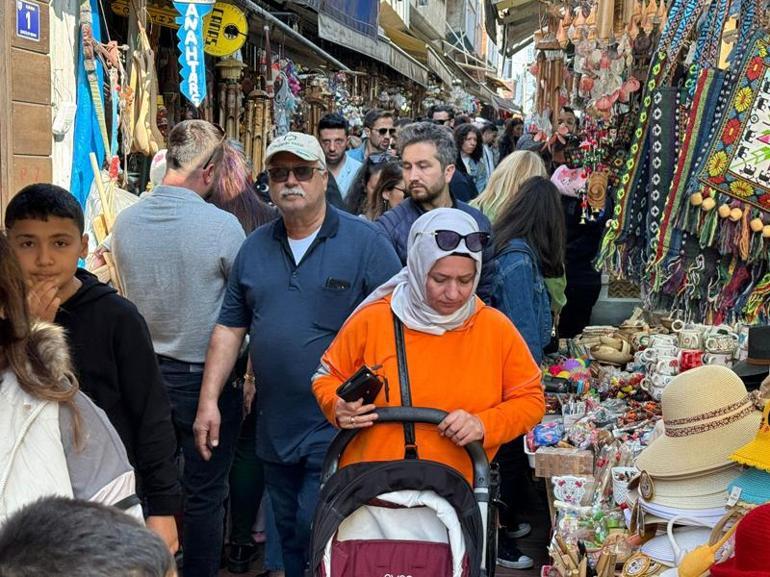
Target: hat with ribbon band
[(707, 415)]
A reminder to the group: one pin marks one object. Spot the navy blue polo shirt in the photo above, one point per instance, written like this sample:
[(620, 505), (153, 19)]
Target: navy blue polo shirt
[(293, 312)]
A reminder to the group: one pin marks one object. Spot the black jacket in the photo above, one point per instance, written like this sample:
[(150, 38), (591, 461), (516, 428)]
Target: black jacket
[(116, 366)]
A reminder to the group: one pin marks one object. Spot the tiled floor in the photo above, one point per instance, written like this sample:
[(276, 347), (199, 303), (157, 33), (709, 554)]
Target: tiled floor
[(534, 545)]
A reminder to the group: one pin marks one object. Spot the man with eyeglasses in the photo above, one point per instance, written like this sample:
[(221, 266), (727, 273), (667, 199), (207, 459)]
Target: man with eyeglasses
[(428, 154), (333, 134), (294, 283), (174, 252), (379, 133)]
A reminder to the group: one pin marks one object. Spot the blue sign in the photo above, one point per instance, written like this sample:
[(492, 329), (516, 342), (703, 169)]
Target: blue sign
[(191, 57), (28, 20)]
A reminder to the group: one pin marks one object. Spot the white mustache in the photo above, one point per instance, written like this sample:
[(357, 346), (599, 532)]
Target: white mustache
[(296, 191)]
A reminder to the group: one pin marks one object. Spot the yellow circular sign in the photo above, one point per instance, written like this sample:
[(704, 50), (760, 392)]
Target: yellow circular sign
[(225, 30)]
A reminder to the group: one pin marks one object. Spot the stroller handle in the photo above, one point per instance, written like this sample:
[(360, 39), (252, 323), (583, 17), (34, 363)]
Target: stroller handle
[(474, 449)]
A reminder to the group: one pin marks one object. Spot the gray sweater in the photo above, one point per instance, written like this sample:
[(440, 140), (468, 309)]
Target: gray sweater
[(174, 252)]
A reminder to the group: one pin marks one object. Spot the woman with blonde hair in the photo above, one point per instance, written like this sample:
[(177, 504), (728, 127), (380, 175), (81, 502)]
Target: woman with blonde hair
[(505, 181)]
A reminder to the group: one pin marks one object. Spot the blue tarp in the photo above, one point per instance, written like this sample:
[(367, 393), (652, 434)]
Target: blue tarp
[(87, 137), (355, 14)]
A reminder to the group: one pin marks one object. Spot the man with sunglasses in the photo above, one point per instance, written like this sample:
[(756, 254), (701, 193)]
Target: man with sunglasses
[(379, 133), (428, 154), (294, 283), (442, 115), (174, 251)]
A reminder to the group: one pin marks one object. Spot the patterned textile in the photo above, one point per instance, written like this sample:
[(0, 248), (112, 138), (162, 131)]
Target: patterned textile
[(738, 163)]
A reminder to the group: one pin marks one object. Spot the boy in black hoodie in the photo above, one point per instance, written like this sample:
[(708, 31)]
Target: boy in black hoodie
[(109, 341)]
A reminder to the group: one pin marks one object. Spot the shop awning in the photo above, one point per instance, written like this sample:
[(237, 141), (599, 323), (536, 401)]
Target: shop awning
[(506, 104), (438, 65), (380, 49)]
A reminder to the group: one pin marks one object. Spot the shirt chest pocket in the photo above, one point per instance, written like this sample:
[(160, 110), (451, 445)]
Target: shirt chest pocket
[(333, 306)]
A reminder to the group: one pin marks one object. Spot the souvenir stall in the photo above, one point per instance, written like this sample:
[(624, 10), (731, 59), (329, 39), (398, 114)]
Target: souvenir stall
[(652, 450), (691, 216)]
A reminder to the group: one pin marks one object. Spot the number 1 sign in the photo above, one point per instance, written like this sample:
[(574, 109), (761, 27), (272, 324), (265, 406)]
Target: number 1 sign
[(28, 20)]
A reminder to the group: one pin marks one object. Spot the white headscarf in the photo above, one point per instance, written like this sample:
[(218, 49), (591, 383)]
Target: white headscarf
[(409, 300)]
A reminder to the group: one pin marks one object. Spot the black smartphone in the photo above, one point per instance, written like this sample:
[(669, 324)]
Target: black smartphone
[(364, 384)]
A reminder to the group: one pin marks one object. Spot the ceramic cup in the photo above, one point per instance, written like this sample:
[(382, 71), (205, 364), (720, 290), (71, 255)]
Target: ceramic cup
[(724, 359), (722, 342), (689, 359), (667, 365), (690, 339), (652, 354), (655, 384)]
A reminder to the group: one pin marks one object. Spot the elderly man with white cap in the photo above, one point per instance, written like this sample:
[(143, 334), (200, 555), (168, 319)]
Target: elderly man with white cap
[(293, 284)]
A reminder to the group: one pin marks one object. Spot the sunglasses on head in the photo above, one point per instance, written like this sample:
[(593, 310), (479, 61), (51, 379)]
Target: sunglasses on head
[(448, 240), (384, 131), (301, 173)]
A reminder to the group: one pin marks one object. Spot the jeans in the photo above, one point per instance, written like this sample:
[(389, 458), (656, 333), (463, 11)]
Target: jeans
[(204, 482), (293, 489)]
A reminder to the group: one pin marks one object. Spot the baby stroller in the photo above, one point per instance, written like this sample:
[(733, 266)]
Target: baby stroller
[(408, 518)]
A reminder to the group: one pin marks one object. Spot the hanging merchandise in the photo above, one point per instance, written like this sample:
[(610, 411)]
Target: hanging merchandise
[(225, 30), (624, 245), (191, 58), (140, 102), (230, 96), (712, 255)]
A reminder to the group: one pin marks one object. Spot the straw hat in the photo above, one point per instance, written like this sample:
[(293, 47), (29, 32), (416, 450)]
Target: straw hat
[(707, 414), (757, 452), (706, 491), (752, 555), (754, 486)]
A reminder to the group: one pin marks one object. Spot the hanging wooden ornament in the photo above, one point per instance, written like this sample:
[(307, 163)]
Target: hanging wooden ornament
[(605, 14)]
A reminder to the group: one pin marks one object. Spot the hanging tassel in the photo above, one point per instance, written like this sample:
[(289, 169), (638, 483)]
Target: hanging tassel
[(708, 229), (675, 275), (757, 308), (744, 232)]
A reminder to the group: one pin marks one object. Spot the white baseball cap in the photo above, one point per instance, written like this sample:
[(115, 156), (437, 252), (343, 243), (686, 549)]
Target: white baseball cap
[(304, 146)]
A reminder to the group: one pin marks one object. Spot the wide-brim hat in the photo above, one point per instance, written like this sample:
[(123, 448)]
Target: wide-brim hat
[(707, 415), (752, 487), (752, 553), (698, 492), (756, 453), (659, 514)]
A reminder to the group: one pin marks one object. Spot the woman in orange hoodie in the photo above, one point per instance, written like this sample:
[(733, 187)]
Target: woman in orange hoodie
[(463, 357)]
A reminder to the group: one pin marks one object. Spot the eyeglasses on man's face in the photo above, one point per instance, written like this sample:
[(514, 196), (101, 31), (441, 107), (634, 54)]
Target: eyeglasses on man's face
[(301, 173), (384, 131)]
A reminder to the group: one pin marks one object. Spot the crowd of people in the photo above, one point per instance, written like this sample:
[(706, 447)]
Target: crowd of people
[(210, 384)]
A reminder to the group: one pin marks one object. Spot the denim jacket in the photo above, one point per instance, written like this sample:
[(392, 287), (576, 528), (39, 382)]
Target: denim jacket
[(520, 293)]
